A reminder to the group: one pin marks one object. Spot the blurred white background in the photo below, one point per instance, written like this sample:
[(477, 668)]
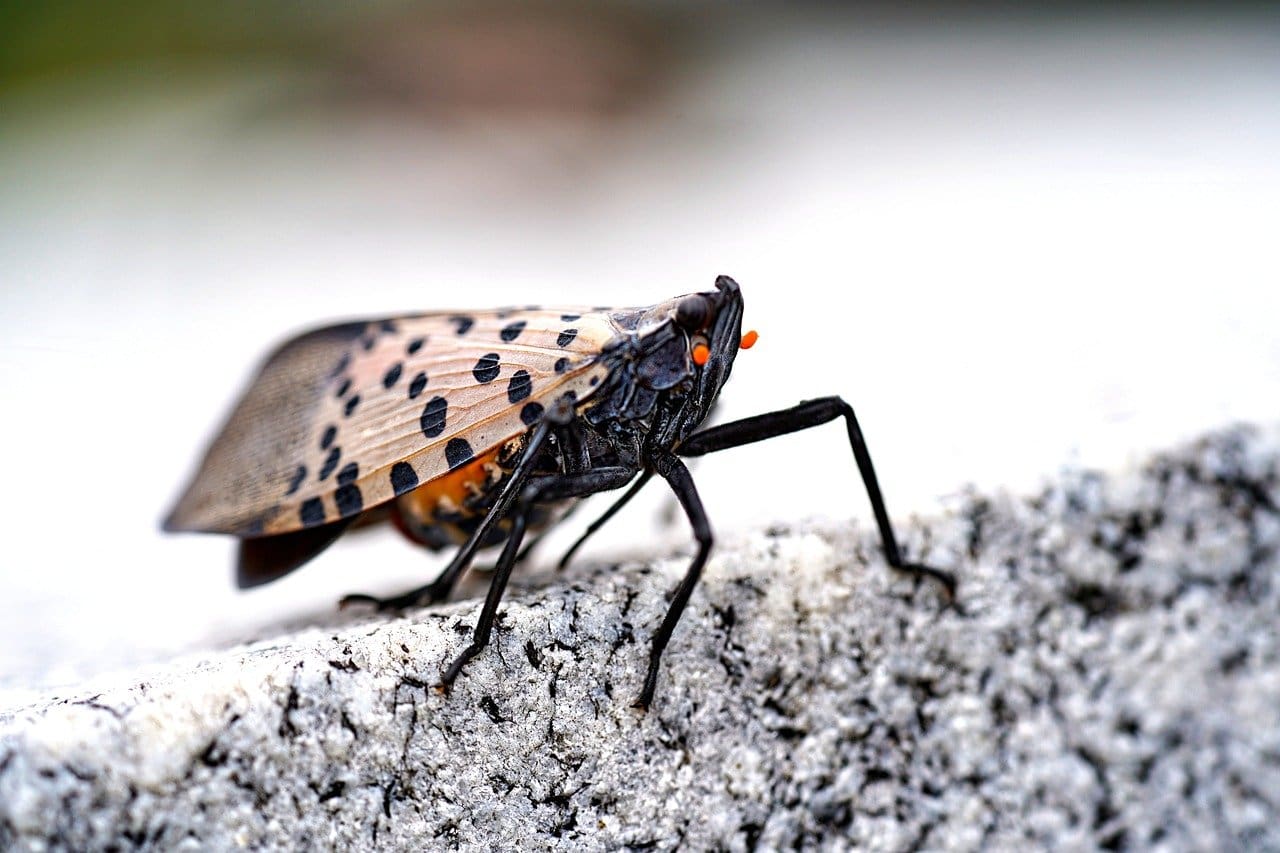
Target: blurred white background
[(1012, 245)]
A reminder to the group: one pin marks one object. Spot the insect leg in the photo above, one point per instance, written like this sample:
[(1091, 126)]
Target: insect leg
[(812, 413), (604, 519), (537, 489), (677, 476), (537, 540), (442, 584), (501, 574)]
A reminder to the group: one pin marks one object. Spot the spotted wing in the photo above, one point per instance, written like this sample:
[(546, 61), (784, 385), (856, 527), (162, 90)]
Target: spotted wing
[(347, 417)]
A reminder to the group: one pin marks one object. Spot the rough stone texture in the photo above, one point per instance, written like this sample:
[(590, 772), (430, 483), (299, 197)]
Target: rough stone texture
[(1110, 677)]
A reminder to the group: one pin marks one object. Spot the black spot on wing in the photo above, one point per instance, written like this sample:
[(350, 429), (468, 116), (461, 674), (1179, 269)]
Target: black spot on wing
[(351, 405), (343, 388), (330, 462), (342, 365), (298, 477), (388, 327), (486, 369), (415, 345), (311, 513), (562, 364), (367, 342), (566, 337), (433, 416), (417, 385), (403, 478), (349, 500), (520, 386), (349, 473), (569, 318), (330, 432), (462, 323), (512, 330), (531, 413), (458, 453), (392, 376)]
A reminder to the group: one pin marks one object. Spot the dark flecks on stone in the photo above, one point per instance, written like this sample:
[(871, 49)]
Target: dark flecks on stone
[(349, 473), (403, 478), (531, 413), (562, 364), (330, 462), (417, 385), (511, 331), (351, 405), (349, 500), (343, 388), (566, 337), (311, 512), (415, 345), (486, 369), (569, 318), (434, 415), (462, 322), (392, 376), (457, 453), (520, 386), (330, 433), (298, 477)]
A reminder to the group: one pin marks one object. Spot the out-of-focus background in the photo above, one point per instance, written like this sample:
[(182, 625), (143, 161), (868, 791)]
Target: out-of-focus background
[(1014, 240)]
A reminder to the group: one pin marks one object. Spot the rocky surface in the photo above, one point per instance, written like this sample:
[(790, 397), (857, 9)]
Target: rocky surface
[(1108, 677)]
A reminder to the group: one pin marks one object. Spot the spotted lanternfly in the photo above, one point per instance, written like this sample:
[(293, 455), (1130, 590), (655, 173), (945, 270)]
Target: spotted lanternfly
[(471, 430)]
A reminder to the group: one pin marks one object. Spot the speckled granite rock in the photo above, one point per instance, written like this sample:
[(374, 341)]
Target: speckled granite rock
[(1109, 678)]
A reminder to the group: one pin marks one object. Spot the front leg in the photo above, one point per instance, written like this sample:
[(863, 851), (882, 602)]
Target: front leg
[(677, 476), (812, 413)]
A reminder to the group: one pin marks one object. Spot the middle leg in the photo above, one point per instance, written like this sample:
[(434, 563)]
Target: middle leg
[(544, 488)]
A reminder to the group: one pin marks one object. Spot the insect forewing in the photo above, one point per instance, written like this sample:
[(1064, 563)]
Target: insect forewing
[(346, 417)]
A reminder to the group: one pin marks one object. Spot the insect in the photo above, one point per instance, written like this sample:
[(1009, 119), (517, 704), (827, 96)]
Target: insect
[(471, 430)]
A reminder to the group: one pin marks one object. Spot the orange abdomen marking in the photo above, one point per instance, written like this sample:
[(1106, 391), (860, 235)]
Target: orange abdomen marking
[(450, 492)]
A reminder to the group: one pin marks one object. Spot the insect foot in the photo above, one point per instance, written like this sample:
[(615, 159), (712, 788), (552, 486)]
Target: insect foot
[(421, 597), (946, 579)]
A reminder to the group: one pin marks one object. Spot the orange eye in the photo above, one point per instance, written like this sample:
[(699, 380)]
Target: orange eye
[(749, 339), (701, 352)]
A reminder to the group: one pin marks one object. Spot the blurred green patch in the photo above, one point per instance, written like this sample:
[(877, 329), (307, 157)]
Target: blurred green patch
[(46, 41), (494, 56)]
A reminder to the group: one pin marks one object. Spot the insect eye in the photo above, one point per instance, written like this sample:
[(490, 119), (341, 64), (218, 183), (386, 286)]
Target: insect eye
[(693, 312), (700, 351)]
